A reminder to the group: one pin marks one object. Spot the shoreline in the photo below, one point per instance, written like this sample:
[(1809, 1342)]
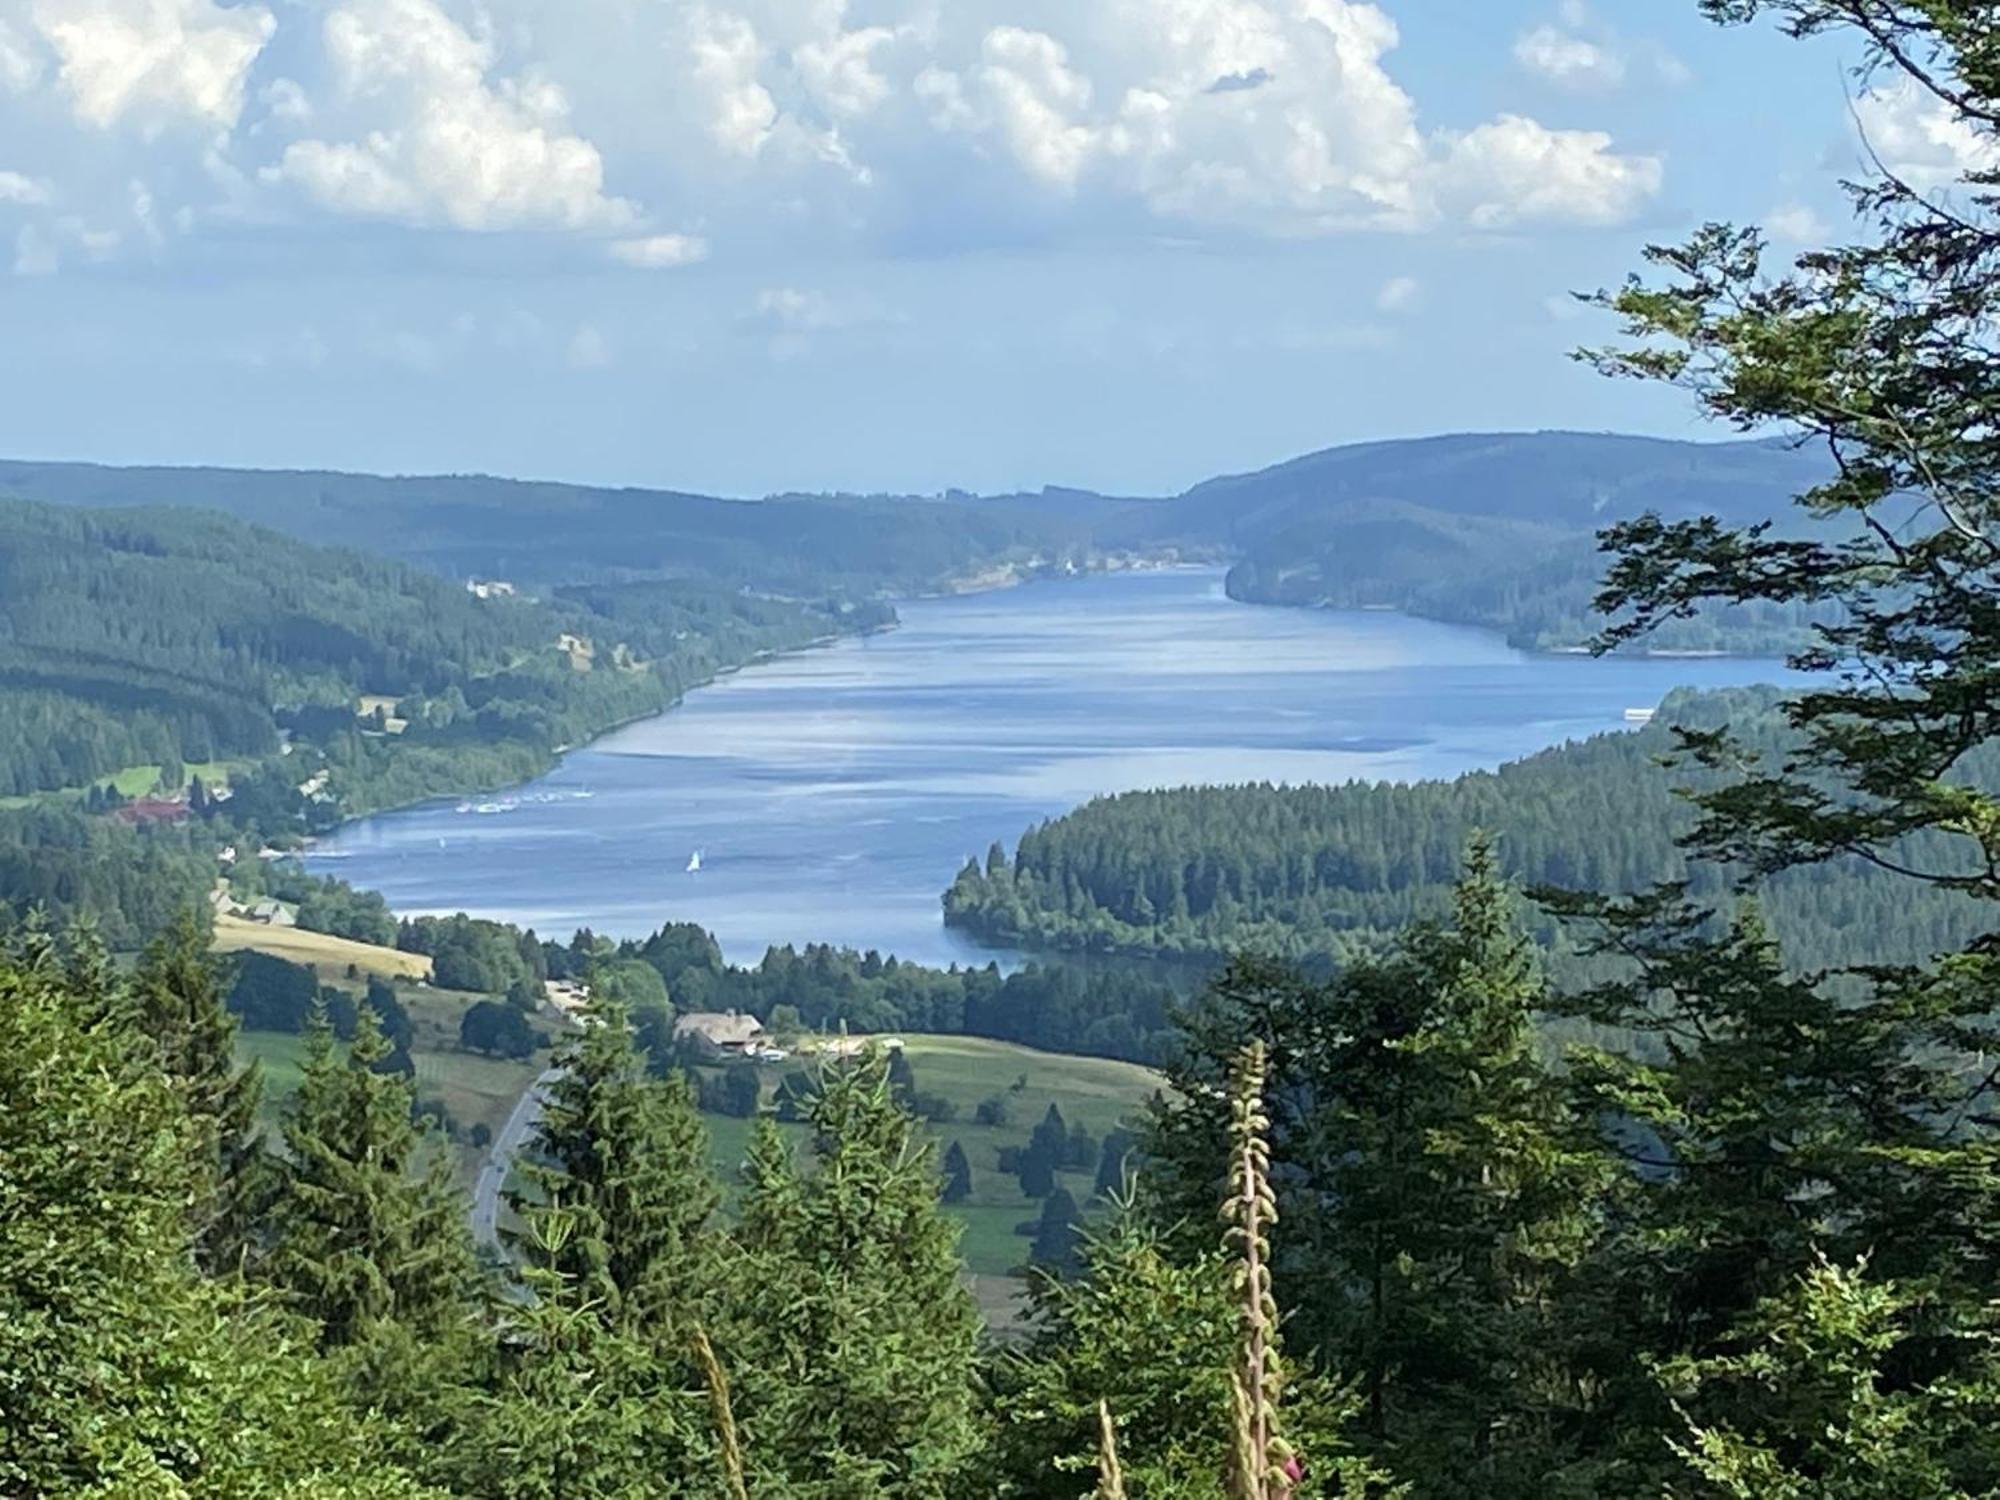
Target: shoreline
[(996, 581), (559, 753)]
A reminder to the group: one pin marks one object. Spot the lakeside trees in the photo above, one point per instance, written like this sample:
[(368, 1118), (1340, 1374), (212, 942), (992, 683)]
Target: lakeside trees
[(1332, 873)]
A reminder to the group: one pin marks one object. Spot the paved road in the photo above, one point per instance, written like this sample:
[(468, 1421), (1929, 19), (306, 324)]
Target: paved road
[(500, 1160)]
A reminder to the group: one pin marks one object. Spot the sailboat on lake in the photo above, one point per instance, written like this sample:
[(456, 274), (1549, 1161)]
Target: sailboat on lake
[(694, 863)]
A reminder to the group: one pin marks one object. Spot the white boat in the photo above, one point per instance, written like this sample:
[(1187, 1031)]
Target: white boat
[(694, 863), (1639, 715)]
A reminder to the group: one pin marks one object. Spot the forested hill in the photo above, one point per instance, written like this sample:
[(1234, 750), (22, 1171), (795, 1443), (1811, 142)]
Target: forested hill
[(1335, 871), (475, 526), (171, 637), (1494, 530)]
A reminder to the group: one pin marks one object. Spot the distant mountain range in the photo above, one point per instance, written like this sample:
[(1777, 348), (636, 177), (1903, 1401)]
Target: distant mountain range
[(1492, 529)]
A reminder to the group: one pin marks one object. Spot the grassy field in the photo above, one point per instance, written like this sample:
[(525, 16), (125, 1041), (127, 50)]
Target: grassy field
[(133, 781), (1097, 1093), (474, 1090), (328, 956)]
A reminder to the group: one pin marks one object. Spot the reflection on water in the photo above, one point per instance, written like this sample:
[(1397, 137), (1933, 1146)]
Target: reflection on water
[(833, 795)]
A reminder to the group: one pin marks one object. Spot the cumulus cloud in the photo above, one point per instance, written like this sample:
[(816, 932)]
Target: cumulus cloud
[(795, 310), (1578, 52), (1568, 60), (445, 143), (1919, 138), (659, 252), (1515, 171), (21, 64), (147, 58), (1278, 116), (898, 122), (726, 55)]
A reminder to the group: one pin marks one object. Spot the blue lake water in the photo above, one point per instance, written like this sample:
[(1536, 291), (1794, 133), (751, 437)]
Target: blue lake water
[(832, 795)]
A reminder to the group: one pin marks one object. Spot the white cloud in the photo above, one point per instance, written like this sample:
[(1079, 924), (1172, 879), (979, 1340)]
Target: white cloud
[(1796, 224), (444, 144), (788, 309), (726, 57), (1581, 54), (151, 58), (18, 187), (931, 125), (1919, 137), (1568, 60), (659, 251), (1278, 116), (589, 349), (839, 70), (286, 99), (21, 65), (1399, 294), (1515, 171)]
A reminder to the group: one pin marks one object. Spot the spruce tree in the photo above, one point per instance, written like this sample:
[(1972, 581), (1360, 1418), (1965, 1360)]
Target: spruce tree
[(957, 1174), (125, 1371), (579, 1403), (865, 1384), (369, 1230), (177, 1002), (1056, 1234), (623, 1158), (1435, 1195)]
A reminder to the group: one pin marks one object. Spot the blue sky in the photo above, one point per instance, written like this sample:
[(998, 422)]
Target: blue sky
[(751, 245)]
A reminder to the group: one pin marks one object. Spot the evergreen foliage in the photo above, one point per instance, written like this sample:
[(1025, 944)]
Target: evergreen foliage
[(122, 1372), (177, 1004), (620, 1168), (368, 1232), (852, 1358)]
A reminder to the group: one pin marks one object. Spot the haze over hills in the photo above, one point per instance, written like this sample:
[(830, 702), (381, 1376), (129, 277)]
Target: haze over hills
[(1465, 527)]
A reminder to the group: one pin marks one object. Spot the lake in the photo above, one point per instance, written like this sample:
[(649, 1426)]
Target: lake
[(832, 795)]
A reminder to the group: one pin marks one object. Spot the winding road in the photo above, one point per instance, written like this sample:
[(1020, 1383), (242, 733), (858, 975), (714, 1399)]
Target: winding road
[(500, 1160)]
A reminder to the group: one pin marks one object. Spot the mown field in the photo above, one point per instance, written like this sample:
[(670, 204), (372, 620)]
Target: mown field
[(329, 957)]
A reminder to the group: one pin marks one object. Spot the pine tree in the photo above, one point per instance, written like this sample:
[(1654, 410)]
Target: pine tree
[(866, 1383), (369, 1230), (902, 1077), (623, 1158), (177, 1002)]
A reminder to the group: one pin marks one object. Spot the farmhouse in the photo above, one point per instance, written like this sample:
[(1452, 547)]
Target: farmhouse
[(153, 810), (716, 1035)]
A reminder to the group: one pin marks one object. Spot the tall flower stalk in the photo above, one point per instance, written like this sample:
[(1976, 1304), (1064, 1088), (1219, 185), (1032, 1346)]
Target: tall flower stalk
[(1110, 1475), (722, 1414), (1263, 1465)]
